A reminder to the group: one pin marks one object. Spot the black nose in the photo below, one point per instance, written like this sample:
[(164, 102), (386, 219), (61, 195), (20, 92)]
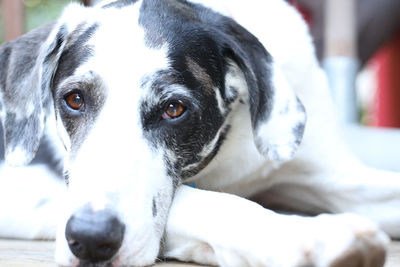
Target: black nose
[(94, 236)]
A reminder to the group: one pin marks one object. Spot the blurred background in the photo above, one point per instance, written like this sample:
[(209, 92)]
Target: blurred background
[(19, 16), (357, 43)]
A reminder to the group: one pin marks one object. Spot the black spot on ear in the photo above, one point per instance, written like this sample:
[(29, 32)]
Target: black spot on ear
[(154, 208), (298, 132)]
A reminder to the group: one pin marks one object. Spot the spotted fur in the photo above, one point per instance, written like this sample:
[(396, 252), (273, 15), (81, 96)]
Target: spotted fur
[(129, 60)]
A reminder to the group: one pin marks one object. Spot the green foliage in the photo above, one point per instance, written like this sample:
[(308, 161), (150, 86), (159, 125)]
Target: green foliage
[(37, 12)]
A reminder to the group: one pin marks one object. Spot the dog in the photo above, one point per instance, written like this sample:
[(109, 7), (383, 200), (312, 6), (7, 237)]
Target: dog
[(137, 130)]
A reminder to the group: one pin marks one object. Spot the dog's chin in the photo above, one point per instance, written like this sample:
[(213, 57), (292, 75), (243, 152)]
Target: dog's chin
[(133, 255)]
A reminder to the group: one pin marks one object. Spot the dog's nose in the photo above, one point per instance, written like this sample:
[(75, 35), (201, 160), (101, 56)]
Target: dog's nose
[(94, 236)]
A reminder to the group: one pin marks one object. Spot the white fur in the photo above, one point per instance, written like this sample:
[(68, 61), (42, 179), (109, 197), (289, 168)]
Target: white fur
[(204, 226), (234, 78), (258, 237), (128, 184), (30, 200), (278, 129)]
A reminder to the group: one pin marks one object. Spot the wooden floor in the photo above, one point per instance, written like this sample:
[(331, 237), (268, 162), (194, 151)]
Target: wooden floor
[(15, 253)]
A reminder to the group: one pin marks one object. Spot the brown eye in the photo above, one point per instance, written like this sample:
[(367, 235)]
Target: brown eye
[(173, 110), (74, 100)]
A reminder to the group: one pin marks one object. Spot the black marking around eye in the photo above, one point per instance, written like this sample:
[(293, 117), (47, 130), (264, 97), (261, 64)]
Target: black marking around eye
[(200, 45), (78, 124)]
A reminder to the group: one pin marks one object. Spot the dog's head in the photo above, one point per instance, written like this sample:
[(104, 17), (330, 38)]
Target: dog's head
[(141, 92)]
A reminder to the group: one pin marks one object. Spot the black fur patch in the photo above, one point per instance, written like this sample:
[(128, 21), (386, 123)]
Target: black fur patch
[(56, 45), (210, 41), (202, 162), (187, 135), (74, 54)]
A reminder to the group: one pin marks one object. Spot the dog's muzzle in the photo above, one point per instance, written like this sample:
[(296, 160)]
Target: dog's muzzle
[(94, 235)]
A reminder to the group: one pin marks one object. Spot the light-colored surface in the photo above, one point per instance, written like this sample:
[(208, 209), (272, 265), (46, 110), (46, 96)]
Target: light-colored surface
[(14, 253)]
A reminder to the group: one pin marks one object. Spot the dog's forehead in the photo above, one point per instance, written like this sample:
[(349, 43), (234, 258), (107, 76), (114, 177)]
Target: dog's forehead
[(187, 31), (135, 39), (119, 51)]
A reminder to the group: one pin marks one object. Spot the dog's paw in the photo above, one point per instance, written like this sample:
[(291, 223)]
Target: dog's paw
[(325, 241), (344, 240)]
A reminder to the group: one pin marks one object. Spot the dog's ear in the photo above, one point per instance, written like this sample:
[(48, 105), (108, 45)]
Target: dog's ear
[(26, 68), (278, 117)]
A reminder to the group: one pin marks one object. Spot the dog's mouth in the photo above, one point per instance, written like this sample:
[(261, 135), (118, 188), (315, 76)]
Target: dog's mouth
[(112, 231)]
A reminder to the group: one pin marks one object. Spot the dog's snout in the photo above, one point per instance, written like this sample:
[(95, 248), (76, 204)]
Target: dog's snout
[(94, 236)]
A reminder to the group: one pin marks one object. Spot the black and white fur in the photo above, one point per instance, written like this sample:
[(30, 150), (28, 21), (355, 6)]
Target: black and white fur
[(245, 101)]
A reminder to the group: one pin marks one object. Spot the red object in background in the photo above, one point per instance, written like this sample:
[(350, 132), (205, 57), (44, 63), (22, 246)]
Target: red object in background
[(387, 109), (306, 14)]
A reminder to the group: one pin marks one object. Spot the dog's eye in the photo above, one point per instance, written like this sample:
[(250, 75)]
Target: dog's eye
[(174, 110), (74, 100)]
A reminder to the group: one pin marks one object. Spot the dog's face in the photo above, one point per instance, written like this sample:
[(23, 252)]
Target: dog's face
[(142, 94)]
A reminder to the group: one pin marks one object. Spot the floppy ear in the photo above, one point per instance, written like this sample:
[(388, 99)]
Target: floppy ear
[(278, 117), (26, 69)]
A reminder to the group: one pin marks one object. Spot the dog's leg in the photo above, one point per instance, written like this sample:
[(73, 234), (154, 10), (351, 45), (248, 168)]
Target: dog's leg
[(222, 229), (29, 202), (336, 186)]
